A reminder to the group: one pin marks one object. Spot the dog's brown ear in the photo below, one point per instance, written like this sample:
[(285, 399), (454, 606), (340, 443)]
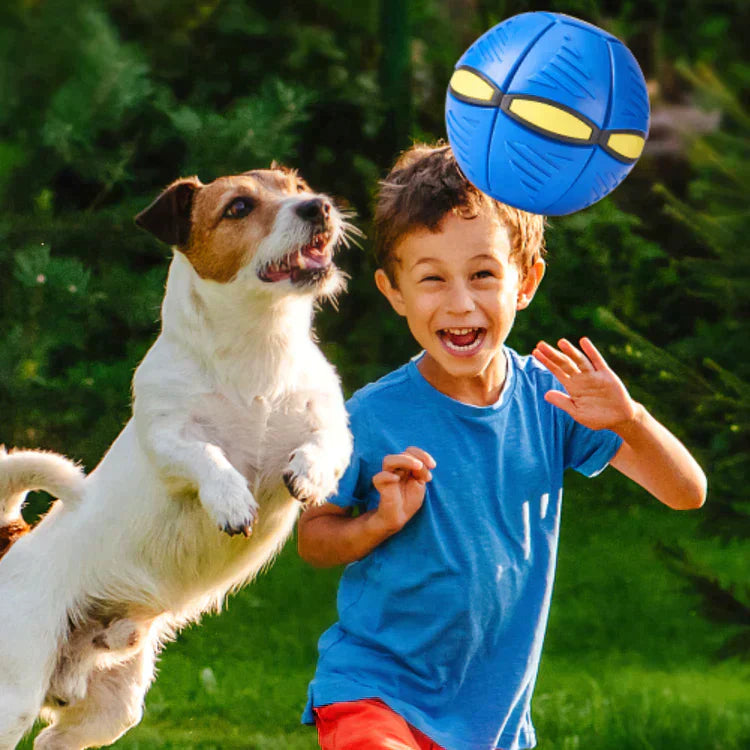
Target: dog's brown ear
[(168, 217)]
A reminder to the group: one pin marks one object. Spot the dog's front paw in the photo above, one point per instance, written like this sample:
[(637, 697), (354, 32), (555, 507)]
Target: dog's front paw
[(230, 503), (309, 476)]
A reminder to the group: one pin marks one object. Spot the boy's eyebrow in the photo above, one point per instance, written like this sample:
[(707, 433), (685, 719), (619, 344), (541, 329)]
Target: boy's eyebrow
[(485, 256), (425, 260), (480, 256)]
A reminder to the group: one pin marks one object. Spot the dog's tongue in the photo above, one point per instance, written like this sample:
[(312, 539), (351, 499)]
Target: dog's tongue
[(273, 274), (310, 257)]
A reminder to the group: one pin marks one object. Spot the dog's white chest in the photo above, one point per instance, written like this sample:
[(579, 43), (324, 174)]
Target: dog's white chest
[(257, 435)]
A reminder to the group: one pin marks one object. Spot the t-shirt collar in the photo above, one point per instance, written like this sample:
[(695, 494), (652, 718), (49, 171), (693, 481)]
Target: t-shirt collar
[(429, 391)]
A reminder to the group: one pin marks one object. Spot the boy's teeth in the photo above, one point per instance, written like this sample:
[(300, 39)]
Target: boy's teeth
[(462, 339)]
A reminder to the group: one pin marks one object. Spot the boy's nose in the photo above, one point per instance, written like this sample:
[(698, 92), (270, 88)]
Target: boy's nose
[(461, 300)]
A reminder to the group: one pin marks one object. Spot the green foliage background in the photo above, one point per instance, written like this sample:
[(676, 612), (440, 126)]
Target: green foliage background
[(104, 102)]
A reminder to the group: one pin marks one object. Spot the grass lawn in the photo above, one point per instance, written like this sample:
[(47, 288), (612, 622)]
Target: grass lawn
[(628, 664)]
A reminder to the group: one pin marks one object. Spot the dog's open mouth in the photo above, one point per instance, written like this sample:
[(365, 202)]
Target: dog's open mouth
[(311, 263)]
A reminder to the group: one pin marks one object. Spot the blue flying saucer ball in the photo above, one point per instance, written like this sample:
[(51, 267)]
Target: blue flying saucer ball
[(547, 113)]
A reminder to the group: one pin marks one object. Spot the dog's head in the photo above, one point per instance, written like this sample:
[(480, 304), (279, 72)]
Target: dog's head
[(264, 228)]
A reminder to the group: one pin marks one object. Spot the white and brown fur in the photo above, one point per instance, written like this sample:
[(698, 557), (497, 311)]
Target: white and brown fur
[(237, 417)]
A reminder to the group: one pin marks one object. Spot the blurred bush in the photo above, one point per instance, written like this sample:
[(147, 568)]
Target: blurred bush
[(104, 103)]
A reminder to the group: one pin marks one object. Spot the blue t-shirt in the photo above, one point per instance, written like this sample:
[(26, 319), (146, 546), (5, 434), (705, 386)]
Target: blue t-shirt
[(444, 621)]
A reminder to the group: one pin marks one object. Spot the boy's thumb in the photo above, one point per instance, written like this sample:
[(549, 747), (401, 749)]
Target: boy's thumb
[(560, 400)]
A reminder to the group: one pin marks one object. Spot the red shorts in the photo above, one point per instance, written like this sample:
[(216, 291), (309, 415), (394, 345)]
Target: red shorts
[(367, 725)]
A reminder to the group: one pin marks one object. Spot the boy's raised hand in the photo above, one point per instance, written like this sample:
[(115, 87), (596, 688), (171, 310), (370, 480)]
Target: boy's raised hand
[(595, 397), (401, 485)]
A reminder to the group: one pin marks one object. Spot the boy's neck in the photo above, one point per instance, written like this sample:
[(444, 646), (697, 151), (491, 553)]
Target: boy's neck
[(482, 389)]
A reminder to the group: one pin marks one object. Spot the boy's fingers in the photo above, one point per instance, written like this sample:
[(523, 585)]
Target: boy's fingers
[(561, 361), (422, 455), (402, 461), (540, 355), (593, 354), (421, 475), (576, 355), (384, 478), (406, 466), (560, 400)]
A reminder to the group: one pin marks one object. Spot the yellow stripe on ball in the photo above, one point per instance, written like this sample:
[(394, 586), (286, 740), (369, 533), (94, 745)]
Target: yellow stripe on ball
[(629, 145), (469, 84), (550, 118)]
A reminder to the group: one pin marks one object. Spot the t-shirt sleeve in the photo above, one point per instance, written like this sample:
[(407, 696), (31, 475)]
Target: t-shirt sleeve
[(588, 451), (355, 481)]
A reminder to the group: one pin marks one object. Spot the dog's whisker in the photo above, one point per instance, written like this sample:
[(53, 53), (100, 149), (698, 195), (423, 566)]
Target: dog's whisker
[(350, 234), (348, 215), (332, 296), (352, 228)]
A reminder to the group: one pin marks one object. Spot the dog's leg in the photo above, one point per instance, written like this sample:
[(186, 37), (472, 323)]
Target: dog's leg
[(316, 466), (75, 660), (18, 710), (113, 704), (22, 687), (222, 490), (84, 649), (29, 638)]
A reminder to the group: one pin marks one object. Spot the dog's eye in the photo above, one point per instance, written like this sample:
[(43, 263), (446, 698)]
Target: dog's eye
[(239, 208), (301, 187)]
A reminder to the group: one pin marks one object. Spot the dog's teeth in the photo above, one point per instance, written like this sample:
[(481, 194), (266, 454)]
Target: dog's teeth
[(301, 262)]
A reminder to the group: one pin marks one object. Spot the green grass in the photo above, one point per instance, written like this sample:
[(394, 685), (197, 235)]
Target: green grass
[(628, 664), (603, 707)]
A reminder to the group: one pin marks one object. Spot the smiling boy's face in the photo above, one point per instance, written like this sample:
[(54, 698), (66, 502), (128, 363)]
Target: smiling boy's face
[(459, 290)]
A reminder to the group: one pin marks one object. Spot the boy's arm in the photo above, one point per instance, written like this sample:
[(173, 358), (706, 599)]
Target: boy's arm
[(328, 535), (650, 454)]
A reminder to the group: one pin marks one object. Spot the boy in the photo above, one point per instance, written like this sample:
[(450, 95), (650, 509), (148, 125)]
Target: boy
[(457, 475)]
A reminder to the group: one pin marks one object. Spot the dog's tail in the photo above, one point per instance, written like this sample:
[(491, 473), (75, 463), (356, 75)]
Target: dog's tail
[(22, 471)]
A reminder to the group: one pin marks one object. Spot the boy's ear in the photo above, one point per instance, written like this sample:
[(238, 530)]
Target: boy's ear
[(390, 292), (529, 284)]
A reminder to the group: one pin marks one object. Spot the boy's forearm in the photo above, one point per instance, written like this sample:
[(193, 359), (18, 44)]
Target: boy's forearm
[(328, 540), (652, 456)]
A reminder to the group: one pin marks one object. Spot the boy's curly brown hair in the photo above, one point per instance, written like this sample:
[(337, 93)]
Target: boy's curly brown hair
[(423, 186)]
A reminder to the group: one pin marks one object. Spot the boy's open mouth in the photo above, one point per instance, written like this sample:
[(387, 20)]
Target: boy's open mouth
[(462, 340)]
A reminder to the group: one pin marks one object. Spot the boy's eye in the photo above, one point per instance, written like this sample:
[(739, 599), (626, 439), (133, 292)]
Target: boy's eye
[(431, 278), (484, 275)]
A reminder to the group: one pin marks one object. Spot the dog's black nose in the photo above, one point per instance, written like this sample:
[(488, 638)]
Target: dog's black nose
[(314, 209)]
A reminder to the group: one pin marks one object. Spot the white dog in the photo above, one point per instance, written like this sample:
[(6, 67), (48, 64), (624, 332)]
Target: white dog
[(237, 416)]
